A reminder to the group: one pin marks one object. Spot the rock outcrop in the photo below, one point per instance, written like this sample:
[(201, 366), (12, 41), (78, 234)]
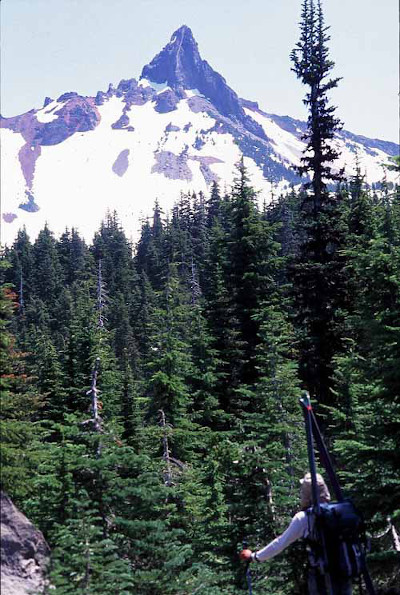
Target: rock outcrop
[(24, 552)]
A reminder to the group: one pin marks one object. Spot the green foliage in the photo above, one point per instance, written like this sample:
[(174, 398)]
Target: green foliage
[(19, 406), (205, 334), (312, 66), (317, 275), (84, 560)]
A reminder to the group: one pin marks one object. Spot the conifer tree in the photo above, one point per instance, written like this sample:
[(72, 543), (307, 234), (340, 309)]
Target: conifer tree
[(80, 343), (221, 316), (74, 257), (204, 378), (368, 373), (20, 272), (84, 561), (149, 256), (361, 224), (47, 271), (111, 246), (141, 315), (242, 268), (318, 269), (312, 66), (251, 271), (213, 205), (199, 234), (20, 403), (132, 410), (46, 367), (171, 364)]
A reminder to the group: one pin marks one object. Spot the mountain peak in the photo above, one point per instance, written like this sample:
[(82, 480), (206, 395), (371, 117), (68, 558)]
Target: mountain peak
[(178, 63), (183, 32), (180, 66)]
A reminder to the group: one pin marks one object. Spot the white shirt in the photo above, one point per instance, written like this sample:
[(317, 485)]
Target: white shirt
[(298, 529)]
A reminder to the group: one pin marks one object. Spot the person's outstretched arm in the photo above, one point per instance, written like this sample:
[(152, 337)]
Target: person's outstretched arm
[(295, 531)]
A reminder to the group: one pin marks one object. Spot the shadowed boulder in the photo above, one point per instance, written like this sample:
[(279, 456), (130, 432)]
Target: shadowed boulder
[(24, 552)]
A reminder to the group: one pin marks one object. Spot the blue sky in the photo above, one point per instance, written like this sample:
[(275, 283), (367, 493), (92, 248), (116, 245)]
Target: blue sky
[(53, 46)]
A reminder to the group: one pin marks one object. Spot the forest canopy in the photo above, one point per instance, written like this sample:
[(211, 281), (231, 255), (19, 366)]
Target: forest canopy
[(150, 392)]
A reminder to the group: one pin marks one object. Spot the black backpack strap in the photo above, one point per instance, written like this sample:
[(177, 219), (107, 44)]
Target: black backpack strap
[(312, 431), (307, 410)]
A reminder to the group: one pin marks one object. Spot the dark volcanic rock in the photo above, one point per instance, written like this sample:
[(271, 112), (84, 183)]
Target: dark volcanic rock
[(166, 102), (69, 95), (47, 101), (371, 143), (249, 104), (208, 175), (295, 127), (172, 128), (180, 65), (100, 97), (30, 206), (131, 94), (9, 217), (121, 163), (52, 133), (254, 127), (127, 85), (136, 95), (28, 155), (121, 123), (172, 166), (199, 143), (200, 104), (78, 115), (24, 552)]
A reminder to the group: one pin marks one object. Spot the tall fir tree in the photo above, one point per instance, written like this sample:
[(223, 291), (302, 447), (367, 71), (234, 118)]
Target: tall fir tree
[(317, 273)]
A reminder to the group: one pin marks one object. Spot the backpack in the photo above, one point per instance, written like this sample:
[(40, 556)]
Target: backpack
[(342, 529)]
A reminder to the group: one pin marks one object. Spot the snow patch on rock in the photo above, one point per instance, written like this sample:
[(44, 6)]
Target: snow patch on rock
[(48, 113)]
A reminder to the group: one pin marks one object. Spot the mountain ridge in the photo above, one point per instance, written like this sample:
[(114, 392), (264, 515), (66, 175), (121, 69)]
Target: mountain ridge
[(179, 127)]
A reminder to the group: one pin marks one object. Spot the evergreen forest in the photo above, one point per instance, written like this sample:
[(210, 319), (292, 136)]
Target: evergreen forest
[(150, 391)]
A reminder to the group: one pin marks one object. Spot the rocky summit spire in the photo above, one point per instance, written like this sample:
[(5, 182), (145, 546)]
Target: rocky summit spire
[(180, 65)]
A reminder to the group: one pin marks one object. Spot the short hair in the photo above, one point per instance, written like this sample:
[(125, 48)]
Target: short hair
[(306, 490)]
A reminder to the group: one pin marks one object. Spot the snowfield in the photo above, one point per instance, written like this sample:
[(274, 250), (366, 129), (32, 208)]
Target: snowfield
[(155, 156)]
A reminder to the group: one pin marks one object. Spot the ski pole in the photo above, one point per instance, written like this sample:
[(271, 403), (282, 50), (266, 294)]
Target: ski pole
[(248, 571), (248, 576), (325, 458), (307, 410)]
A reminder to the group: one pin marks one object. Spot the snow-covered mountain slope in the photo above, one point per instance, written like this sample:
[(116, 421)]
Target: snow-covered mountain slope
[(176, 129)]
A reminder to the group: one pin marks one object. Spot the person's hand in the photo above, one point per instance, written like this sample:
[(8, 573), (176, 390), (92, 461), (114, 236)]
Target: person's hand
[(246, 555)]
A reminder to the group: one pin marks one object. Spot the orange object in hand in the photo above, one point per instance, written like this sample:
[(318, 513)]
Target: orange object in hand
[(245, 555)]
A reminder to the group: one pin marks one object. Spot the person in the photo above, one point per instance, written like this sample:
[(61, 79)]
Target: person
[(302, 527)]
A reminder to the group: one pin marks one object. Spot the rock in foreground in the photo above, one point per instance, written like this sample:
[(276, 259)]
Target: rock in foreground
[(24, 552)]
